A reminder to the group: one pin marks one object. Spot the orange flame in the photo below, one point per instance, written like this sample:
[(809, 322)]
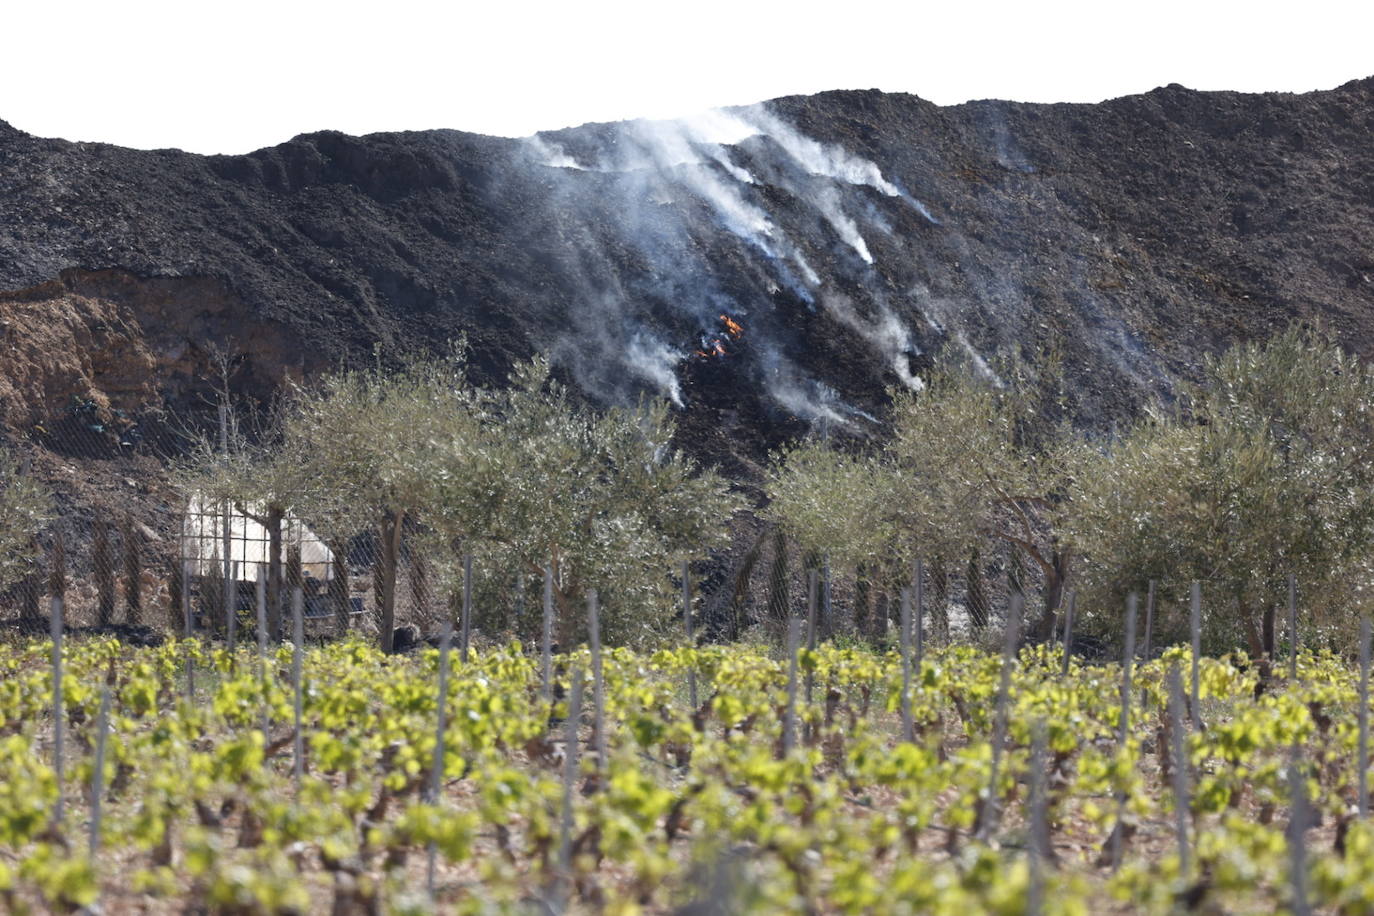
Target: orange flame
[(715, 346)]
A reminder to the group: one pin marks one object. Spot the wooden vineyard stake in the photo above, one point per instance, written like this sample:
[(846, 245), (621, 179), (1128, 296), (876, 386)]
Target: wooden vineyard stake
[(189, 622), (1068, 633), (437, 769), (904, 645), (436, 776), (691, 637), (298, 638), (1123, 732), (58, 708), (102, 731), (467, 608), (789, 719), (1293, 628), (546, 642), (1362, 756), (598, 684), (570, 763), (1299, 821), (1038, 845), (812, 585), (987, 822), (1195, 623), (1178, 751), (261, 596)]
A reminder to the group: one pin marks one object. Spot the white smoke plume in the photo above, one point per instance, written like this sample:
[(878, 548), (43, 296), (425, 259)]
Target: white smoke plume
[(885, 332), (553, 154), (656, 363), (821, 159), (665, 190), (828, 201), (808, 400)]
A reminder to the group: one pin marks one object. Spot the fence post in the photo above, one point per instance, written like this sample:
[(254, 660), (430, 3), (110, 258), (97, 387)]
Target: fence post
[(1149, 620), (999, 730), (1297, 833), (1038, 845), (436, 776), (58, 708), (298, 639), (1362, 759), (227, 528), (546, 643), (1178, 750), (103, 560), (918, 611), (789, 720), (691, 637), (598, 683), (190, 627), (1068, 633), (338, 584), (570, 762), (904, 647), (1127, 661), (102, 729), (57, 576), (827, 601), (1195, 622), (1149, 626), (467, 607), (1293, 627), (811, 602), (262, 641), (133, 570)]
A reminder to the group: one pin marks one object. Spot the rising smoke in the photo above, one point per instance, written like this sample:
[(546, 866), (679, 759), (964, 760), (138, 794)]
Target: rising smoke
[(660, 193)]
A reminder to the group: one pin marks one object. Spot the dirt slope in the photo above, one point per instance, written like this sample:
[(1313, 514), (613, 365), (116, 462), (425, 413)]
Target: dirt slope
[(1131, 236)]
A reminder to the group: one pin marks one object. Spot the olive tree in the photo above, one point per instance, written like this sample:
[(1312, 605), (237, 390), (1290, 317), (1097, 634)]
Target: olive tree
[(523, 474), (1266, 470), (965, 462), (373, 443), (600, 497)]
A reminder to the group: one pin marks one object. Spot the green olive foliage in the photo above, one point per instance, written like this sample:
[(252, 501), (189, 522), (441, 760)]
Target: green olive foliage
[(600, 496), (522, 476), (961, 467), (1266, 469)]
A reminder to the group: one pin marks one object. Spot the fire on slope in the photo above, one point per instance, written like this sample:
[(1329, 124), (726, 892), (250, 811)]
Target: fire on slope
[(713, 345)]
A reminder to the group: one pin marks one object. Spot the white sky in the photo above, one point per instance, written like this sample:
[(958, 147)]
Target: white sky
[(236, 75)]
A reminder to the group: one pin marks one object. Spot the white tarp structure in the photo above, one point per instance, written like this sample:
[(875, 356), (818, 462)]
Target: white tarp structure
[(202, 542)]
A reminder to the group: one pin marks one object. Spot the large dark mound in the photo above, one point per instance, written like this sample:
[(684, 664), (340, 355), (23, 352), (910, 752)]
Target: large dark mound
[(1130, 237)]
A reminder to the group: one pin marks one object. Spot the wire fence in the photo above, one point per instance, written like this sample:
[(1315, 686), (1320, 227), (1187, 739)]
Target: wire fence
[(212, 570), (128, 551)]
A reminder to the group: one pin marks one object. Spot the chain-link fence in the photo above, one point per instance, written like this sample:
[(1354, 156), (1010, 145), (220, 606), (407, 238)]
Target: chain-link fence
[(129, 551)]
